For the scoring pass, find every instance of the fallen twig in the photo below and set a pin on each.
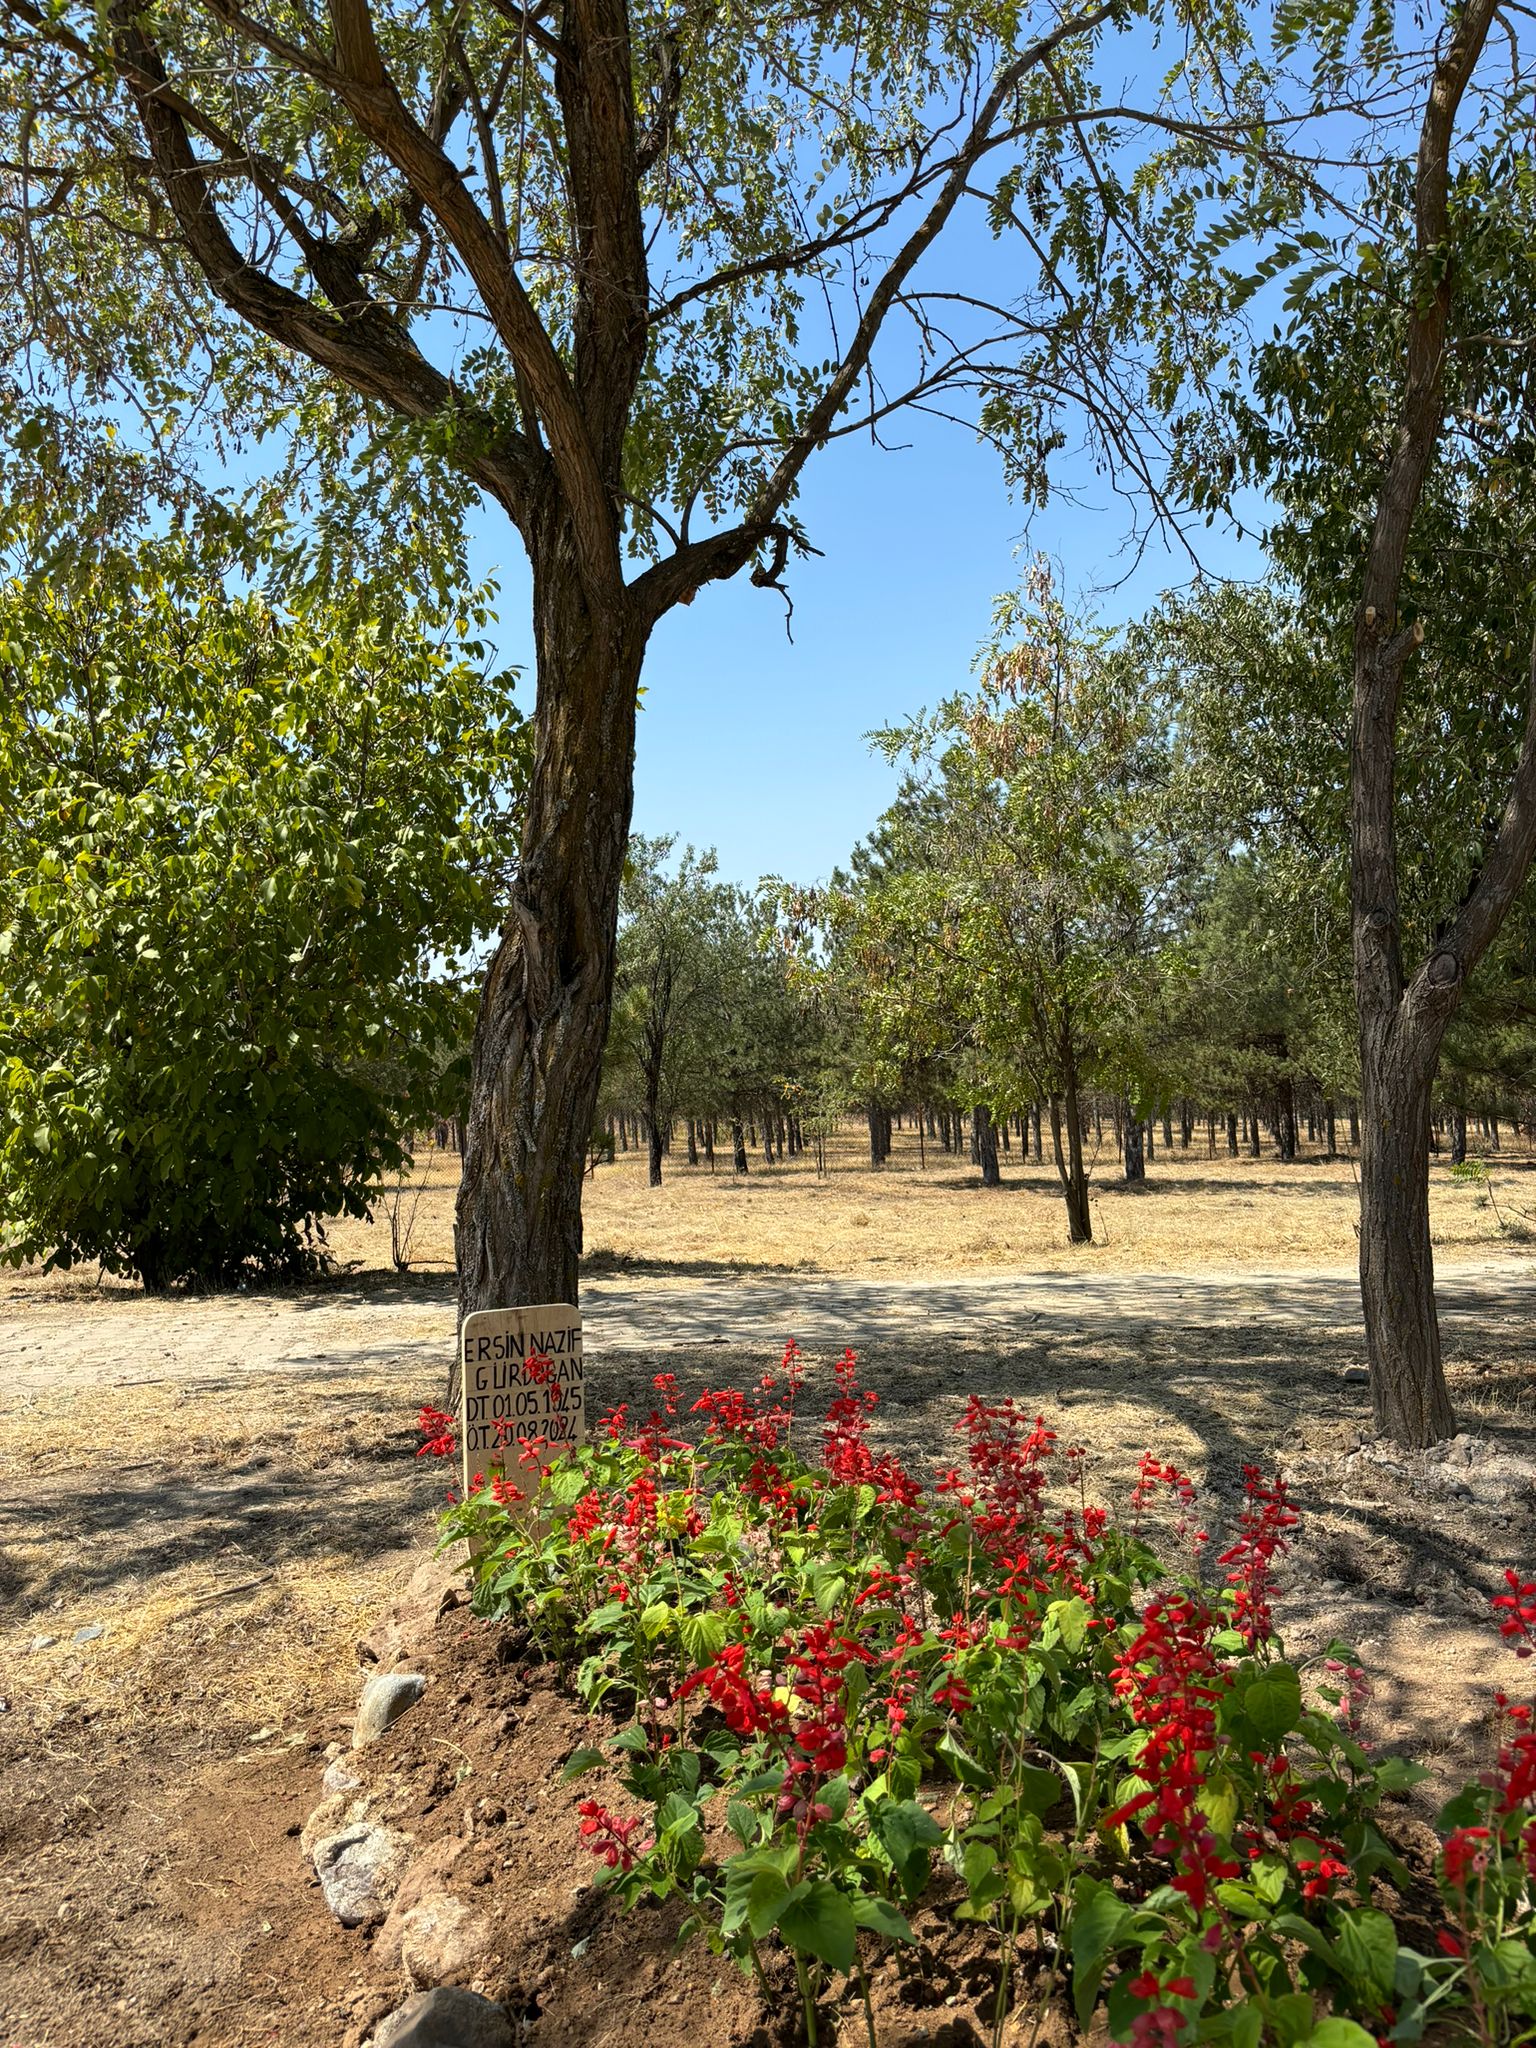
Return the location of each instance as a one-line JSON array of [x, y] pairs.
[[228, 1592]]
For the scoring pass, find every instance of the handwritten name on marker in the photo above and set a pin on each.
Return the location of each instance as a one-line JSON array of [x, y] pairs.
[[522, 1379]]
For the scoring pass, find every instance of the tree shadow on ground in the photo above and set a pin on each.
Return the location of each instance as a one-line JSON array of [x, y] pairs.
[[603, 1264], [319, 1474], [316, 1479]]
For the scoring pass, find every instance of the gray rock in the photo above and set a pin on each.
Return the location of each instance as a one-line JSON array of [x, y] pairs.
[[430, 1876], [385, 1698], [443, 1941], [436, 1586], [445, 2018], [90, 1633], [41, 1643], [337, 1778], [1356, 1376], [360, 1868]]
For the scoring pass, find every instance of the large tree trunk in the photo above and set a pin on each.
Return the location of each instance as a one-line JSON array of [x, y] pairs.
[[1397, 1271], [1403, 1021], [655, 1148], [544, 1009]]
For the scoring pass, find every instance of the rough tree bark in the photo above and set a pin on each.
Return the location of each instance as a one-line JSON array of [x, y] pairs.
[[1402, 1020], [544, 1010], [986, 1146]]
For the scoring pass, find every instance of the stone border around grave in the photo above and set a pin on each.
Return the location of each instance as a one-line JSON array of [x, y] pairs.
[[369, 1876]]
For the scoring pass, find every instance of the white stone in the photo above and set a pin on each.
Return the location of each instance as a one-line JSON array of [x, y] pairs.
[[442, 1941]]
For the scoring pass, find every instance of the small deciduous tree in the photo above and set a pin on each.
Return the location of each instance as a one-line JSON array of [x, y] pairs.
[[672, 941], [1398, 443], [1026, 872], [238, 843]]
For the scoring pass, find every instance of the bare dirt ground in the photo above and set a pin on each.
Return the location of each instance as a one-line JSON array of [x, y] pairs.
[[204, 1503]]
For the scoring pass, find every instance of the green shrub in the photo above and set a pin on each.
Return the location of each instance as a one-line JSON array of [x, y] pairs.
[[239, 848]]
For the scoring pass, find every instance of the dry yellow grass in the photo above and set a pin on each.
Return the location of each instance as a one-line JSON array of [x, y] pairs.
[[229, 1551], [907, 1219]]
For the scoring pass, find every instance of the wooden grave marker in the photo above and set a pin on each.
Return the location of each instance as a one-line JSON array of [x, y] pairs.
[[504, 1400]]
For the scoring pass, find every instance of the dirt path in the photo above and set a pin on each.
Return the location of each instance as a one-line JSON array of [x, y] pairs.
[[122, 1340]]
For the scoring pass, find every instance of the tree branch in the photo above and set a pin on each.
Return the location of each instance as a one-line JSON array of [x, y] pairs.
[[361, 344], [1438, 985]]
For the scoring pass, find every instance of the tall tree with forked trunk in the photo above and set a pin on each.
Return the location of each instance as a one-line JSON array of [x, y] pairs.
[[1399, 444], [620, 267]]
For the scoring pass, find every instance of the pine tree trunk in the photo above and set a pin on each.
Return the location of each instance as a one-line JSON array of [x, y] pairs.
[[1039, 1147], [873, 1117], [738, 1146], [1232, 1133], [1458, 1137], [693, 1142], [1285, 1121], [1330, 1128], [654, 1150]]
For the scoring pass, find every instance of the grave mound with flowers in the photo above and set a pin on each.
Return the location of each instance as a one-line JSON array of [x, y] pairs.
[[840, 1698]]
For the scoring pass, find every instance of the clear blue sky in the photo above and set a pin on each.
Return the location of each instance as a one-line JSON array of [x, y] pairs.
[[756, 746]]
